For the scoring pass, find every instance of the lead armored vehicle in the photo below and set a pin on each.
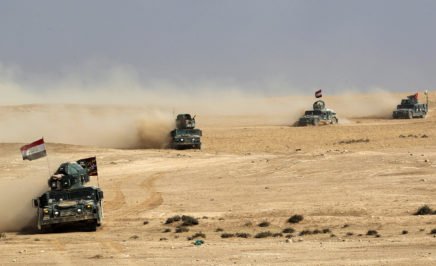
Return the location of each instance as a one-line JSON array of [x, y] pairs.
[[411, 108], [69, 201], [318, 116], [185, 135]]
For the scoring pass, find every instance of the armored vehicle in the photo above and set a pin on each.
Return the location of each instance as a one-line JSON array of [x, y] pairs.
[[319, 115], [411, 108], [69, 202], [185, 135]]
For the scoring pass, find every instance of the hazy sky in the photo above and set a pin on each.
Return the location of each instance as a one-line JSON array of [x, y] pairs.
[[270, 44]]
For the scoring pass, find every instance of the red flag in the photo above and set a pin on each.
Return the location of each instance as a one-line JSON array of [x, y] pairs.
[[34, 150], [414, 96], [318, 94]]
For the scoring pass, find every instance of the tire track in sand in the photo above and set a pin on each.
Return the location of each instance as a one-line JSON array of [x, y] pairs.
[[153, 200], [119, 199]]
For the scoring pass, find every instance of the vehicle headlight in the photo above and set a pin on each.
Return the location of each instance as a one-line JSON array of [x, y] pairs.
[[45, 211], [56, 213], [79, 210], [88, 206], [181, 140]]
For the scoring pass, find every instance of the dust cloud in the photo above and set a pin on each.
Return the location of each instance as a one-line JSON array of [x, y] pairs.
[[17, 213], [117, 110], [105, 126], [377, 104], [152, 134]]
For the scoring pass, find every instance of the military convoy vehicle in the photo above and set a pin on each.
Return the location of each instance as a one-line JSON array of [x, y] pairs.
[[411, 108], [69, 202], [185, 135], [318, 116]]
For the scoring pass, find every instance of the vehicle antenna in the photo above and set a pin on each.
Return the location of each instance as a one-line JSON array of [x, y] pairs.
[[98, 180]]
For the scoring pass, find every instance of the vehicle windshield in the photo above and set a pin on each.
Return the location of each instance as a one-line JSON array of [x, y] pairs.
[[314, 112], [83, 193], [188, 132], [406, 106]]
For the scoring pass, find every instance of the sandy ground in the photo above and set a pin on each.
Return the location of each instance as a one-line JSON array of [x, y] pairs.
[[248, 173]]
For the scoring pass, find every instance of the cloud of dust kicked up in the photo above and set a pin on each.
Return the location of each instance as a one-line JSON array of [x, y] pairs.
[[116, 110], [16, 208]]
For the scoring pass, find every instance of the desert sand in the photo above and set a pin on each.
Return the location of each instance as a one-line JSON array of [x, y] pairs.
[[250, 170]]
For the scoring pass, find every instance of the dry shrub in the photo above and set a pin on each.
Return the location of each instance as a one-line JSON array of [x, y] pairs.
[[227, 235], [425, 210], [351, 141], [243, 235], [288, 230], [305, 232], [371, 233], [189, 221], [197, 235], [316, 231], [170, 220], [263, 234], [182, 229], [295, 219], [277, 235], [264, 224]]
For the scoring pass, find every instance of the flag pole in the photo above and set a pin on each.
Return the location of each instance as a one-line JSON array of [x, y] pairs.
[[426, 96], [48, 163], [98, 181]]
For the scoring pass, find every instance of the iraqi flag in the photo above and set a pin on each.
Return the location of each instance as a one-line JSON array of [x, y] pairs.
[[318, 94], [34, 150]]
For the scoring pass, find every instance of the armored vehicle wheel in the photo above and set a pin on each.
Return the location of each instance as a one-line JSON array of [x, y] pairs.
[[423, 115], [100, 215], [92, 226], [334, 120], [198, 146], [315, 122], [45, 229], [410, 115]]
